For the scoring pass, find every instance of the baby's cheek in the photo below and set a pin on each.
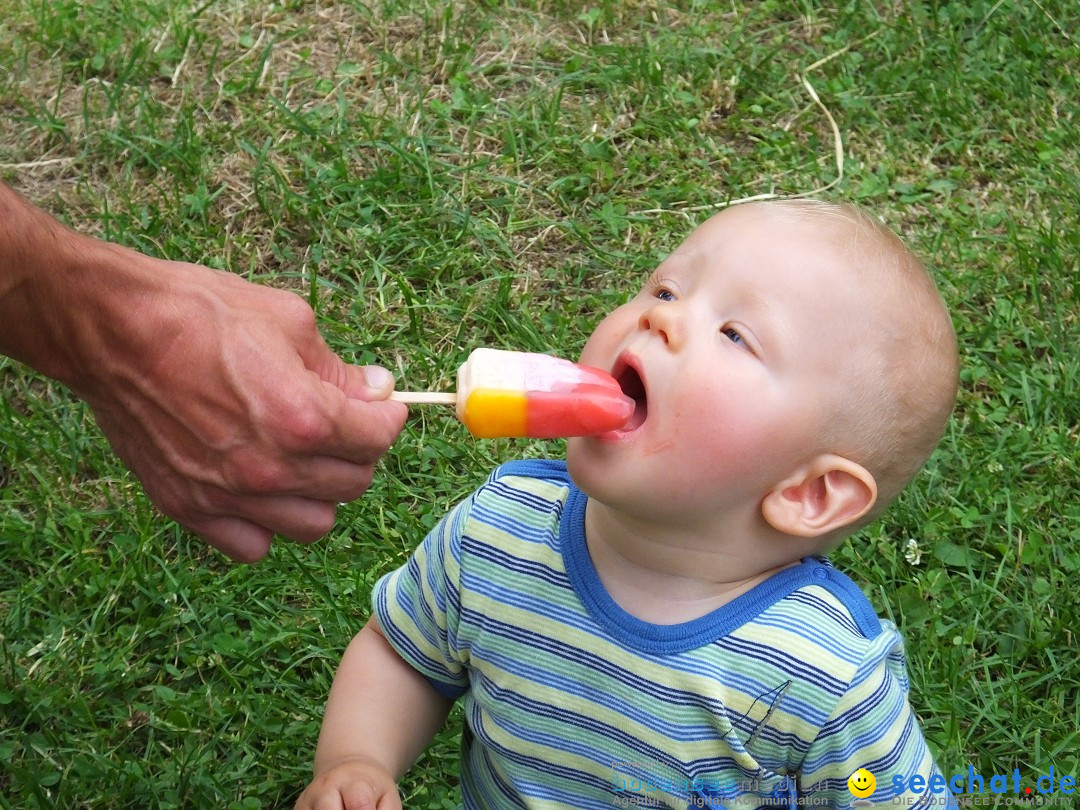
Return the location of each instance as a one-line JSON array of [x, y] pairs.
[[601, 349], [729, 439]]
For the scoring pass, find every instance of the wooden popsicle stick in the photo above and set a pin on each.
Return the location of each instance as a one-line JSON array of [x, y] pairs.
[[424, 397]]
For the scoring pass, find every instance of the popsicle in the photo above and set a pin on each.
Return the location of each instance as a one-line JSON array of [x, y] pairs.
[[522, 394]]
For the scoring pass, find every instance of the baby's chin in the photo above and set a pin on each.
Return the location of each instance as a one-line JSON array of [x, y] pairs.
[[575, 462]]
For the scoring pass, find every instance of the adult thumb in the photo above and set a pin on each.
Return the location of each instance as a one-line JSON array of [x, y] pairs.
[[378, 383]]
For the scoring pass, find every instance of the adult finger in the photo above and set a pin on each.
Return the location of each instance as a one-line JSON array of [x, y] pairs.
[[304, 520], [247, 532], [321, 477], [242, 540], [329, 479], [364, 431], [367, 382]]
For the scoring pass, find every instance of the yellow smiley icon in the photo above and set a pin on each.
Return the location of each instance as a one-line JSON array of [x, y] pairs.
[[861, 783]]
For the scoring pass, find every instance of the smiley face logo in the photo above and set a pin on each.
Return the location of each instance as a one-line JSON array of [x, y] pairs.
[[861, 783]]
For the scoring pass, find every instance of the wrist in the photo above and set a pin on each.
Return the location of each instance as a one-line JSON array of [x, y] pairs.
[[61, 292], [31, 250], [352, 761]]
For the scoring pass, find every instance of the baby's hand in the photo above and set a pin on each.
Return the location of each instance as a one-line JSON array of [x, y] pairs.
[[358, 783]]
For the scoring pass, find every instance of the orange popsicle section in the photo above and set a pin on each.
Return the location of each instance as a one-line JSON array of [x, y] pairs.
[[491, 413]]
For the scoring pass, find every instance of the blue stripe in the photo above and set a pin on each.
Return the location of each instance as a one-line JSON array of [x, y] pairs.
[[516, 565], [820, 605], [788, 663]]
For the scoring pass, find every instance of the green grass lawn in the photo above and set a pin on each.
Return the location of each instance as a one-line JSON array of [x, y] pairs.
[[439, 176]]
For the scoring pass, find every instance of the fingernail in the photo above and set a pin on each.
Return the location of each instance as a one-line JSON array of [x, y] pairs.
[[378, 379]]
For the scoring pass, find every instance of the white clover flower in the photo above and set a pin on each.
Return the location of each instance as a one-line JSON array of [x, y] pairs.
[[912, 552]]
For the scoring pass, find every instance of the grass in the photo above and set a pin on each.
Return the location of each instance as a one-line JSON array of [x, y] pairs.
[[436, 176]]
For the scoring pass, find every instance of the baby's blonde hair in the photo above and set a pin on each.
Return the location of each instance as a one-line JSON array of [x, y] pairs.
[[901, 388]]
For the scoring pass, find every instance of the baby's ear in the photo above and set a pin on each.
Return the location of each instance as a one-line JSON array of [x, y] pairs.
[[828, 494]]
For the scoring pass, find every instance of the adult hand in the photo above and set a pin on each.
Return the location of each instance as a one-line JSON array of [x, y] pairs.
[[219, 394], [235, 415]]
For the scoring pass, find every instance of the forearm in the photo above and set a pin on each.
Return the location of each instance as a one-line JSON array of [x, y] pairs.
[[379, 708]]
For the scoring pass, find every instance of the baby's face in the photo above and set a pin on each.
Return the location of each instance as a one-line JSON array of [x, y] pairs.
[[734, 351]]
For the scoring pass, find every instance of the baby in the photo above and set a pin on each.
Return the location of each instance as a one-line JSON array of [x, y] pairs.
[[652, 622]]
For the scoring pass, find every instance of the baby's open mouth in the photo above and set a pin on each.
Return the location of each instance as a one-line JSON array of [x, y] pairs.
[[630, 382]]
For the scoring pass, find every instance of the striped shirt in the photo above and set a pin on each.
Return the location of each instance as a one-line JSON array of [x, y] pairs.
[[772, 700]]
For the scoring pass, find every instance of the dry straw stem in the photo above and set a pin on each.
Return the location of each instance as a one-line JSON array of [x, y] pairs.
[[36, 164], [838, 147]]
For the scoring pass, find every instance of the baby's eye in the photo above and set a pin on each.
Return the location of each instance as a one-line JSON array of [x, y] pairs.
[[733, 335], [664, 295]]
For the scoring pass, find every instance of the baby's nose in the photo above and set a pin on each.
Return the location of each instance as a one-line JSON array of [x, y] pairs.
[[664, 320]]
